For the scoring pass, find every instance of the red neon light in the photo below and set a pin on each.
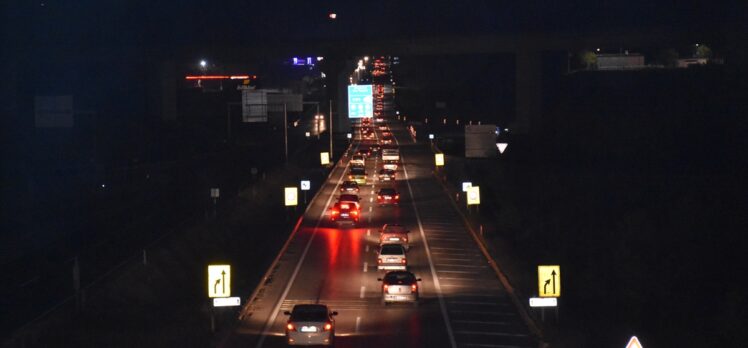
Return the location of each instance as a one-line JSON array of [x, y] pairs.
[[217, 77]]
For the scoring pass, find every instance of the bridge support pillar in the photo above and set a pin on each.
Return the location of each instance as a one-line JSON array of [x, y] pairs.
[[528, 90]]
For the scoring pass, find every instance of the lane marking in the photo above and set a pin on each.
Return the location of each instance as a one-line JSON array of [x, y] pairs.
[[437, 285], [460, 266], [482, 322], [363, 291], [274, 314], [490, 333], [371, 199], [358, 323], [370, 208], [466, 272], [366, 265]]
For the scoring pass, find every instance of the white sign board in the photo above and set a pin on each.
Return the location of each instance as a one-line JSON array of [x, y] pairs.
[[305, 185], [466, 185], [292, 196], [480, 141], [543, 302], [215, 193], [226, 302]]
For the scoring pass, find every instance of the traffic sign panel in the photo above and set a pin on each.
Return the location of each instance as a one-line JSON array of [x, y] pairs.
[[543, 302], [439, 158], [501, 147], [634, 343], [473, 195], [466, 185], [306, 185], [324, 158], [292, 196], [549, 281], [219, 281], [226, 301]]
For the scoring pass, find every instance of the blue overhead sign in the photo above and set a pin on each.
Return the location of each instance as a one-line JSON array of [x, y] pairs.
[[360, 101]]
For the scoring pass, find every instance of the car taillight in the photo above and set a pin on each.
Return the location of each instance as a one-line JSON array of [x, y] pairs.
[[328, 326], [334, 212], [290, 327], [354, 212], [385, 287], [379, 196], [405, 239], [350, 177], [413, 287], [403, 261], [397, 196], [379, 260]]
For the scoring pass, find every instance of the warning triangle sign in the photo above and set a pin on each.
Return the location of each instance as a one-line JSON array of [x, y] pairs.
[[501, 147], [634, 343]]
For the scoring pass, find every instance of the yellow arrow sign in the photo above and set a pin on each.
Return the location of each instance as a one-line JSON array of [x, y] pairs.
[[219, 281], [549, 281], [324, 158], [292, 196], [634, 343]]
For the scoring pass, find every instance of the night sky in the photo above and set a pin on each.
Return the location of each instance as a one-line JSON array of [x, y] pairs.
[[83, 23]]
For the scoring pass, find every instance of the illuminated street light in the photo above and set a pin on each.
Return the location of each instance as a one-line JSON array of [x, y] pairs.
[[332, 15], [203, 63], [366, 59]]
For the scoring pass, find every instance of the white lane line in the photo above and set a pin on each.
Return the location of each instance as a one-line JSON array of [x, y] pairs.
[[480, 303], [445, 248], [370, 208], [491, 345], [465, 272], [437, 285], [462, 266], [274, 315], [363, 291], [366, 266], [372, 191], [371, 199], [490, 333], [480, 322], [358, 323], [455, 259]]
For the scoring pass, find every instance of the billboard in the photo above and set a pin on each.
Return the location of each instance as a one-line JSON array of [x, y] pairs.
[[480, 141], [360, 101]]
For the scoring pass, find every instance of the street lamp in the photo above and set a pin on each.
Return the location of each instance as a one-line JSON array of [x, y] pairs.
[[203, 64]]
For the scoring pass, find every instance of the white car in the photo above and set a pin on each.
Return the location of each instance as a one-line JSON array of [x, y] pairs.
[[399, 286], [389, 164], [357, 160], [392, 257], [310, 324]]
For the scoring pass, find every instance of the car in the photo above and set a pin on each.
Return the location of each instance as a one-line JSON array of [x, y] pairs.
[[374, 149], [364, 151], [386, 175], [357, 160], [349, 186], [310, 324], [345, 211], [386, 140], [388, 195], [394, 234], [350, 198], [384, 127], [386, 134], [392, 257], [390, 164], [399, 286], [357, 174]]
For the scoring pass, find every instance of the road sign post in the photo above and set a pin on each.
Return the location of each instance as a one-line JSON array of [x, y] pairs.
[[549, 281], [324, 158], [219, 281], [306, 185]]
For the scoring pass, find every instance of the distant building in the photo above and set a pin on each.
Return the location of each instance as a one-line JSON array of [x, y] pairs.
[[620, 61], [686, 62]]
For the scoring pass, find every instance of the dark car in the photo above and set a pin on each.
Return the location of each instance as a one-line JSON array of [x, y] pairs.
[[387, 196], [349, 186]]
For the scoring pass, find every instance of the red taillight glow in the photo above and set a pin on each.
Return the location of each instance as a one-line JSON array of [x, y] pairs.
[[379, 260], [354, 212], [379, 196], [328, 327], [334, 212], [385, 287], [403, 261], [413, 288], [290, 327], [397, 196]]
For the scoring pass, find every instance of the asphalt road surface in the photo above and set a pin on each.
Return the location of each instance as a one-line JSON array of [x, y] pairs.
[[462, 301]]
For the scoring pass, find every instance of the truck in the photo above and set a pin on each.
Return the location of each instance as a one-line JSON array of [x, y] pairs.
[[390, 158]]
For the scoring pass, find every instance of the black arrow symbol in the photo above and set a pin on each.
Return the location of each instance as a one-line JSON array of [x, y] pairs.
[[215, 286], [223, 282], [553, 274], [545, 287]]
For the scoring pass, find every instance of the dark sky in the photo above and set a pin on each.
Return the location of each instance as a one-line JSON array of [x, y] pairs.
[[118, 22]]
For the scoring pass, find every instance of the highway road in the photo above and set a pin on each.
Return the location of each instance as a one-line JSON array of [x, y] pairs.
[[462, 301]]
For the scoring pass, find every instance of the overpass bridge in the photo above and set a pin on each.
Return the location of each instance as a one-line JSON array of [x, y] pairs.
[[528, 48]]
